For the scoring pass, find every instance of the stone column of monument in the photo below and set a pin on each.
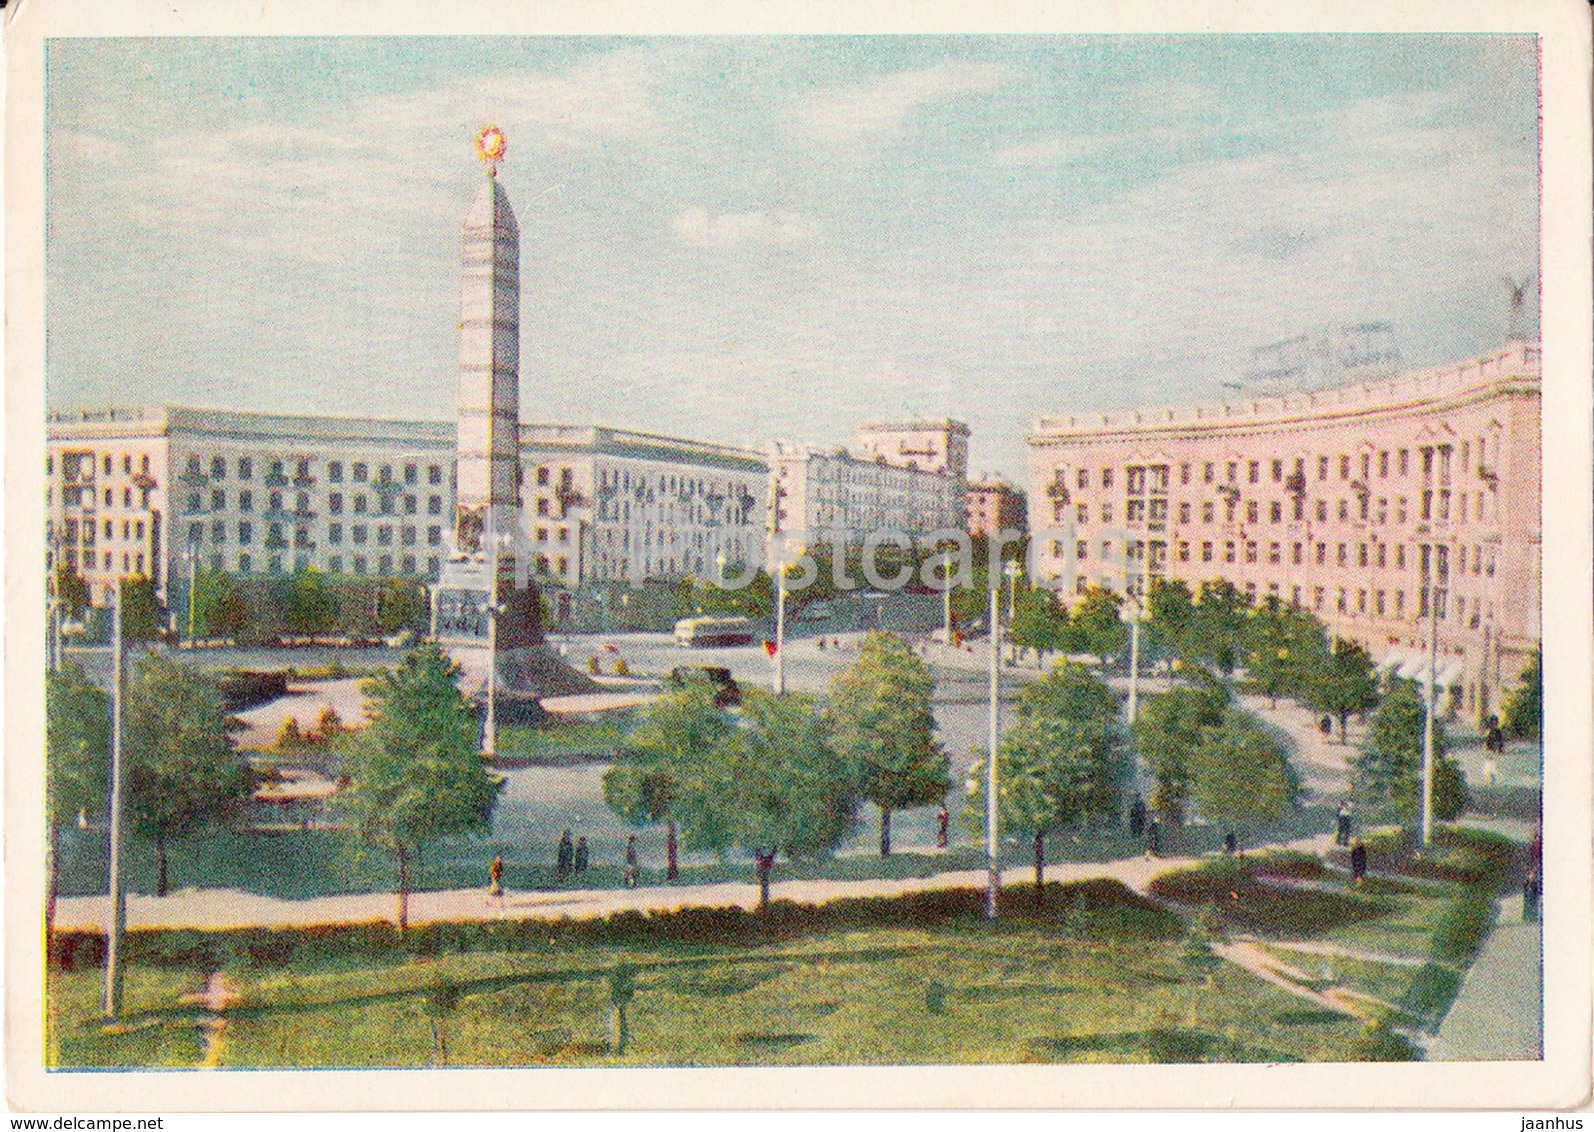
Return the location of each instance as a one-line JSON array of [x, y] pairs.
[[487, 455]]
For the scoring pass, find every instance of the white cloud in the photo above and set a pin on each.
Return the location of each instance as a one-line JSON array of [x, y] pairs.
[[879, 105], [83, 147], [696, 226], [1054, 149]]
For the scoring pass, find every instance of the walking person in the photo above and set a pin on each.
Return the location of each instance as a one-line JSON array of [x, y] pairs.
[[1342, 824], [1530, 896], [566, 857], [1154, 837], [1358, 861], [495, 880], [631, 870], [1137, 817], [942, 821], [581, 855]]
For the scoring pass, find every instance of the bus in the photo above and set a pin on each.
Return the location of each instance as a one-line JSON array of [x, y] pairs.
[[704, 632]]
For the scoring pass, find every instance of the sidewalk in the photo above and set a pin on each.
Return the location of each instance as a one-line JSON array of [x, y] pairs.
[[229, 908], [1498, 1013]]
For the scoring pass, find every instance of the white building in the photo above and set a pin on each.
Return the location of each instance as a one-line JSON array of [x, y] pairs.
[[132, 491]]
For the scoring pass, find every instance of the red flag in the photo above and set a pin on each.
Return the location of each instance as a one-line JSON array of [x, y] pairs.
[[769, 648]]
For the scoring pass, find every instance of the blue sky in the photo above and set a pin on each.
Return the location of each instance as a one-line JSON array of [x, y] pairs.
[[743, 238]]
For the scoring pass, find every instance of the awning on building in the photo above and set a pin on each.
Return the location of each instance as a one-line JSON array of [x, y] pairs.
[[1412, 664]]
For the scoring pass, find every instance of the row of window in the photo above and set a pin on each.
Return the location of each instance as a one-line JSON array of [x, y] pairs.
[[1432, 459], [80, 465], [1433, 505], [385, 504], [358, 534], [1367, 555], [359, 470]]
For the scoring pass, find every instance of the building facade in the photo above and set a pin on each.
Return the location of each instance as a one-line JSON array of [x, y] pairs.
[[909, 478], [139, 491], [996, 505], [1348, 502]]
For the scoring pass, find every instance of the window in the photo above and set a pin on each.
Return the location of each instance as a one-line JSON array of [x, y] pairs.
[[385, 474], [434, 536], [407, 536], [384, 535], [434, 505], [1322, 467], [542, 507], [218, 532], [1252, 471], [1250, 551], [384, 504], [335, 564], [1207, 513], [1382, 547], [335, 471], [1383, 465], [1251, 511], [1362, 555], [1322, 511], [1344, 510], [359, 564], [1273, 553], [335, 534], [1082, 479], [1400, 602], [1234, 471], [409, 564], [1184, 552], [1206, 552], [1367, 463], [1082, 513], [1296, 555], [1317, 597], [409, 505], [1106, 512], [1344, 466], [1400, 509], [361, 474], [1322, 553], [1278, 471], [1228, 552], [1341, 603], [276, 501], [357, 532], [246, 532], [246, 471], [1106, 548], [244, 564], [359, 504], [1344, 555], [1206, 473], [335, 503], [1106, 477], [1184, 473], [1378, 603], [1403, 462], [1400, 557], [218, 467], [410, 473], [434, 474], [542, 476], [302, 503], [218, 501], [1184, 512]]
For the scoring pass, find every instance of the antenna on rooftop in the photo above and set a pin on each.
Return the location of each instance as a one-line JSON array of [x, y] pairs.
[[1518, 292]]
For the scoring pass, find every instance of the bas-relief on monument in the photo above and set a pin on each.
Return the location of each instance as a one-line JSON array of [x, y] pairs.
[[486, 570]]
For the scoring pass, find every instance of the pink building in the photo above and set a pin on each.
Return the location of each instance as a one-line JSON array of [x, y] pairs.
[[1344, 501], [995, 505]]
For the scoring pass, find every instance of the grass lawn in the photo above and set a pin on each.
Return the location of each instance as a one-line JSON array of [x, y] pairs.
[[1095, 976]]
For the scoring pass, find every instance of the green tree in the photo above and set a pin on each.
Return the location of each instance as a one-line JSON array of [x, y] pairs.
[[77, 746], [882, 724], [141, 613], [678, 732], [772, 785], [414, 773], [1523, 710], [1344, 682], [1167, 731], [1285, 645], [219, 608], [312, 610], [401, 604], [1215, 633], [72, 590], [1170, 607], [182, 771], [1054, 771], [1040, 623], [1095, 626], [1388, 771], [1069, 691], [1239, 774]]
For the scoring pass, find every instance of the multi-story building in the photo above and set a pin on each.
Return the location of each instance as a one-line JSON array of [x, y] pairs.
[[995, 505], [138, 492], [907, 477], [1348, 502]]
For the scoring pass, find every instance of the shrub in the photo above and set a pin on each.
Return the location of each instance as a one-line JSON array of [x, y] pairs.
[[328, 723], [289, 735], [621, 668]]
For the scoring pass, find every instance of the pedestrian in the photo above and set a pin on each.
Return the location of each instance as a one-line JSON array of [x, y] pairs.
[[1154, 837], [1358, 861], [1342, 824], [1530, 897], [1137, 817], [581, 855], [1230, 844], [1326, 726], [495, 879], [942, 821], [566, 857], [631, 870]]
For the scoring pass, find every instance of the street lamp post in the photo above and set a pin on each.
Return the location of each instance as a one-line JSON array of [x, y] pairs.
[[111, 999], [1134, 645], [780, 629], [191, 556], [993, 877], [1012, 571], [1436, 597]]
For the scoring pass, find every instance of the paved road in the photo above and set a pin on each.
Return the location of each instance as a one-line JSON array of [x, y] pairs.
[[225, 908], [1498, 1014]]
